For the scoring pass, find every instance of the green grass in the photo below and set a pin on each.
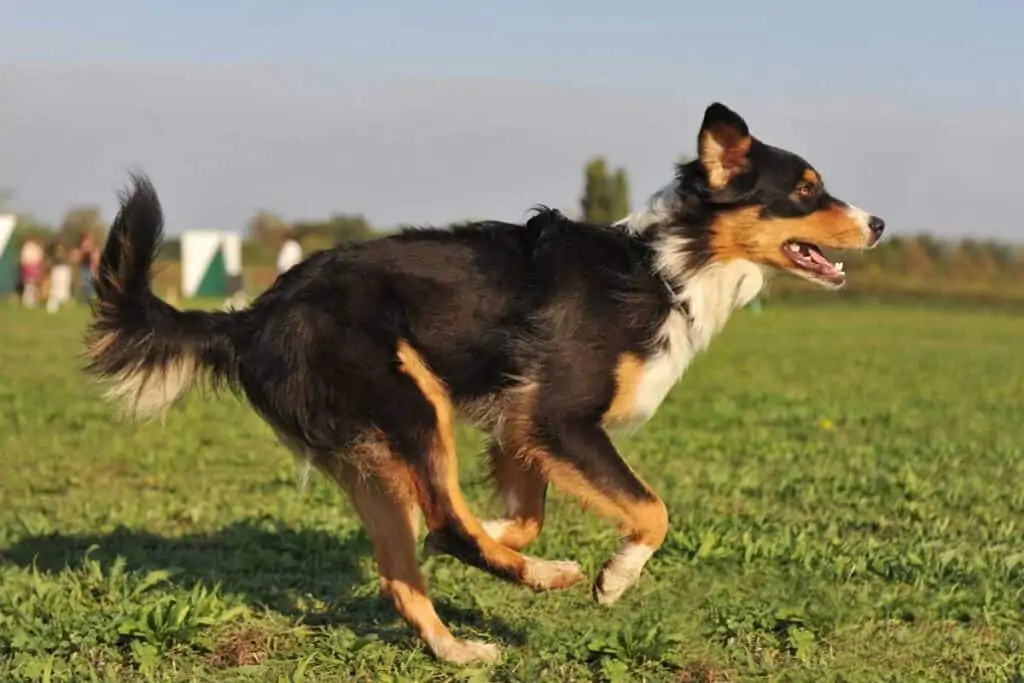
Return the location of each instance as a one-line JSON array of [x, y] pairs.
[[845, 483]]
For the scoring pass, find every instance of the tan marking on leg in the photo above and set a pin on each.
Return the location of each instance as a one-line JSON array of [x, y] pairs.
[[650, 526], [536, 573], [390, 518], [522, 489], [644, 523], [628, 374]]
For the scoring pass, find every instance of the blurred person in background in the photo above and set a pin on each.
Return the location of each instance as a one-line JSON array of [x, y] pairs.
[[31, 258], [290, 255], [88, 257], [60, 280]]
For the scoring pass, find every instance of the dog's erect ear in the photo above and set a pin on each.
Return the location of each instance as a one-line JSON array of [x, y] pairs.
[[722, 145]]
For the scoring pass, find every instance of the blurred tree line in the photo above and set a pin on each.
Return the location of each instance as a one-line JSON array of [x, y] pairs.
[[76, 223], [605, 192], [267, 231], [920, 264]]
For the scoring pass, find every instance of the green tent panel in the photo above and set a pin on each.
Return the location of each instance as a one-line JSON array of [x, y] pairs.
[[8, 267], [8, 255], [215, 279]]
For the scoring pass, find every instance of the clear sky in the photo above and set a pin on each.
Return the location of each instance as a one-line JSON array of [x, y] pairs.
[[436, 111]]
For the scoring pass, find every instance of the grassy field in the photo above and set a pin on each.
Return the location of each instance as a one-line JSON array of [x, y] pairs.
[[845, 482]]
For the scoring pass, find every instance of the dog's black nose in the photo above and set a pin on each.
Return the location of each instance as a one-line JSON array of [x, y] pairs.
[[877, 226]]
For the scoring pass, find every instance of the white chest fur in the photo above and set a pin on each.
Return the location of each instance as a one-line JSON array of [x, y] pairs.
[[662, 370], [709, 296]]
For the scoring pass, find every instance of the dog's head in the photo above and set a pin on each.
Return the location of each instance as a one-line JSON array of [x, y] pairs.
[[743, 199]]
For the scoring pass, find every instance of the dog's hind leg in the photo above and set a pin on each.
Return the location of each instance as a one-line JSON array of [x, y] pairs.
[[522, 489], [453, 527], [387, 506]]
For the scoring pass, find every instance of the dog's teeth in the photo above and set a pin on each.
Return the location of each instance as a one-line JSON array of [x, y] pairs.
[[839, 266]]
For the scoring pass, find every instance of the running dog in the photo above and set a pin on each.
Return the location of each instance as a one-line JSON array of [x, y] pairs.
[[545, 334]]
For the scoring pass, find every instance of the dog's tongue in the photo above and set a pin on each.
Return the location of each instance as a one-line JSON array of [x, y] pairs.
[[819, 259]]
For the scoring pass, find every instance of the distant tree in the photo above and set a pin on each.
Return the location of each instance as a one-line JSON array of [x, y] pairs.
[[916, 256], [937, 250], [596, 202], [81, 220], [620, 195], [888, 256], [971, 260], [336, 229], [350, 227], [27, 227], [170, 249], [268, 230], [1001, 254], [605, 195]]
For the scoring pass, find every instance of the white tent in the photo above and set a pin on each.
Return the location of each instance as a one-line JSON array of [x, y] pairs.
[[210, 261]]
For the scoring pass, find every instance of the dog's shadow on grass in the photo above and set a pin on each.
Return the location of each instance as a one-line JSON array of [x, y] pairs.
[[270, 566]]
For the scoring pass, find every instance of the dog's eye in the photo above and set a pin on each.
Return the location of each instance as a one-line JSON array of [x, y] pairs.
[[805, 189]]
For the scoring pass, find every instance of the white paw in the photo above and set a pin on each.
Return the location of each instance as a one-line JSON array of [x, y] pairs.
[[466, 651], [544, 575], [610, 585], [621, 572]]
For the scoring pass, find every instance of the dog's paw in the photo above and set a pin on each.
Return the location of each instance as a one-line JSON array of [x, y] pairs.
[[465, 652], [610, 585], [545, 575], [621, 572]]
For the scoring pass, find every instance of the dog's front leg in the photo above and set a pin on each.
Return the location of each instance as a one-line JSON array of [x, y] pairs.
[[580, 459]]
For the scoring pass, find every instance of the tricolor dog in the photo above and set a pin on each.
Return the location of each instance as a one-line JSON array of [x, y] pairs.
[[545, 334]]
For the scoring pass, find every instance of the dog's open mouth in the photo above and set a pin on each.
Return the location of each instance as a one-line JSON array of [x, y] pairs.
[[812, 263]]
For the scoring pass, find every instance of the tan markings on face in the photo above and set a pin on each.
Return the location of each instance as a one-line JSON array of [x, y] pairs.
[[744, 234], [809, 185]]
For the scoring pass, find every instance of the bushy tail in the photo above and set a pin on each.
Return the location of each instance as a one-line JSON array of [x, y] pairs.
[[149, 352]]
